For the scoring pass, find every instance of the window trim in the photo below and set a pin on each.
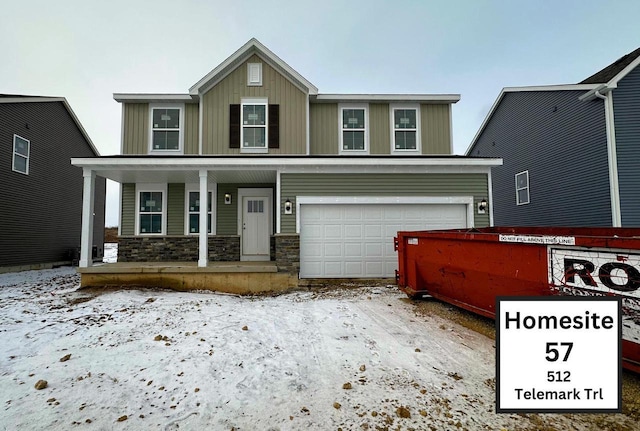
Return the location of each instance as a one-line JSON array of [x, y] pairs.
[[257, 83], [141, 188], [341, 129], [179, 106], [255, 101], [392, 108], [518, 203], [192, 188], [15, 153]]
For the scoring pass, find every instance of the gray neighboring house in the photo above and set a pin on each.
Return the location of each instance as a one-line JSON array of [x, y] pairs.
[[571, 152], [41, 193]]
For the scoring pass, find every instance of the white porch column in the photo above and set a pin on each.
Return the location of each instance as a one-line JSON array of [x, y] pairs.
[[203, 245], [86, 239]]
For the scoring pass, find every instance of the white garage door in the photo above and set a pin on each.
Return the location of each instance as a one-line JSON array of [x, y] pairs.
[[356, 240]]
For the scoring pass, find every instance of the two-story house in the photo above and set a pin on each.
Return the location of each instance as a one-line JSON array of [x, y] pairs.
[[41, 193], [253, 164], [571, 152]]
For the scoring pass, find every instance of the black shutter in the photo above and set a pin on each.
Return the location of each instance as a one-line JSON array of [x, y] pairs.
[[274, 126], [234, 126]]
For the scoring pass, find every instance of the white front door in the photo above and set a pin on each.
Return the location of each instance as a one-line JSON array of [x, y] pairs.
[[256, 231]]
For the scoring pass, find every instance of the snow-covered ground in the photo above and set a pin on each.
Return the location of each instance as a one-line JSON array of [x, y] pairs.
[[110, 252], [358, 358]]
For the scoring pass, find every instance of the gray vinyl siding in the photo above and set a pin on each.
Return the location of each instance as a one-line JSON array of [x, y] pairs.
[[295, 185], [128, 209], [626, 107], [41, 213], [227, 215], [175, 209], [561, 141]]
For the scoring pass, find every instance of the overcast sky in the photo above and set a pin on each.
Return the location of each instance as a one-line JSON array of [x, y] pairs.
[[87, 50]]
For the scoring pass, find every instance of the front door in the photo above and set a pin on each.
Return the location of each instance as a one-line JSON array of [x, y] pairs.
[[256, 231]]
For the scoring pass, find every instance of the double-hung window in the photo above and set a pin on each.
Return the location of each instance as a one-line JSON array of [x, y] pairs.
[[21, 149], [253, 130], [166, 129], [193, 210], [354, 135], [405, 129], [522, 188], [151, 212]]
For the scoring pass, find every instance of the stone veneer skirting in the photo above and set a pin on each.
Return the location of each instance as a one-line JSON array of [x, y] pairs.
[[285, 249]]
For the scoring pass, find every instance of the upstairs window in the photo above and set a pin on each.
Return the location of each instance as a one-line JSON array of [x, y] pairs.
[[353, 130], [21, 150], [522, 188], [151, 212], [405, 133], [194, 212], [166, 130], [254, 125]]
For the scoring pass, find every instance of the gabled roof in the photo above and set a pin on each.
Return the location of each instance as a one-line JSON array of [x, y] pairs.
[[253, 46], [18, 98], [616, 68], [568, 87]]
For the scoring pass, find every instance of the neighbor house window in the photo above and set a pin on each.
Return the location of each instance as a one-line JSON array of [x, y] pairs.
[[21, 149], [166, 131], [353, 129], [151, 212], [254, 124], [193, 210], [405, 129], [522, 188]]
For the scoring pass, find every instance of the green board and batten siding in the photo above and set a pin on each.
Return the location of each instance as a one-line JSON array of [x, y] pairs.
[[422, 185], [136, 126], [277, 88], [324, 128]]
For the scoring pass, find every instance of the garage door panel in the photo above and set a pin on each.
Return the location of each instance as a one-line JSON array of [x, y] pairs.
[[356, 240]]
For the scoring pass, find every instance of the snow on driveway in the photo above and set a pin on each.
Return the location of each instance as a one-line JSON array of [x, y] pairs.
[[154, 359]]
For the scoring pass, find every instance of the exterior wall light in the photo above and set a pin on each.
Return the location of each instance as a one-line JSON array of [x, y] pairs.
[[227, 198], [482, 206], [288, 207]]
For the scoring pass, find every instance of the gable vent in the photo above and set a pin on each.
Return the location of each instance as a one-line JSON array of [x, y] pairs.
[[254, 74]]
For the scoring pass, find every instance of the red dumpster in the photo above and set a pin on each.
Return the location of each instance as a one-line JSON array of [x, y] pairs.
[[470, 268]]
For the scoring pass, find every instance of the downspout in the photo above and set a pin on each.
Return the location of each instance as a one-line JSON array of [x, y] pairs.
[[614, 189]]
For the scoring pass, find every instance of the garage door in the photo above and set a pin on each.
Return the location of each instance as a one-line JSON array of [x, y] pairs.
[[356, 240]]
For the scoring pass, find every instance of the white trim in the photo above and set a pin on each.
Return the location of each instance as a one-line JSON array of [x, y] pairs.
[[341, 129], [200, 126], [569, 87], [251, 67], [400, 98], [613, 83], [385, 200], [203, 237], [450, 129], [194, 188], [258, 192], [392, 128], [14, 153], [122, 117], [518, 203], [154, 98], [143, 187], [119, 209], [308, 127], [181, 128], [253, 46], [253, 101]]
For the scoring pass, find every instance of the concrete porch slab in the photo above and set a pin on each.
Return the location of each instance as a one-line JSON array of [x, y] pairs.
[[230, 277]]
